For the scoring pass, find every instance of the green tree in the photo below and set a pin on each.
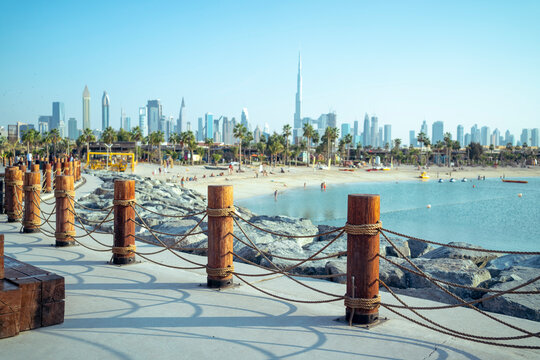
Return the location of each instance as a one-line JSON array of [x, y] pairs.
[[54, 136], [239, 132], [209, 142], [137, 136], [308, 134], [348, 141], [331, 134], [88, 137], [155, 139], [286, 134], [188, 139]]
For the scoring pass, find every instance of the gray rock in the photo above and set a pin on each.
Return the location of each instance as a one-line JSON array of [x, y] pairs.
[[400, 244], [525, 306], [291, 249], [337, 267], [506, 262], [419, 248], [478, 257], [463, 272], [392, 275]]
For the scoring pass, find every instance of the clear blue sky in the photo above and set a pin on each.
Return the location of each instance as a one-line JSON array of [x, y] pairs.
[[462, 62]]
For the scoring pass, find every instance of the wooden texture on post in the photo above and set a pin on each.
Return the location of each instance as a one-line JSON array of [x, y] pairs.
[[1, 256], [65, 230], [220, 239], [14, 199], [47, 173], [124, 222], [22, 168], [32, 201], [65, 168], [362, 256], [72, 170], [34, 168]]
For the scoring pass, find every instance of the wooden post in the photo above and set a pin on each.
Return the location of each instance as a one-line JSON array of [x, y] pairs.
[[48, 177], [65, 218], [124, 222], [32, 201], [220, 239], [35, 168], [22, 168], [72, 170], [362, 259], [78, 169], [65, 168], [14, 184], [1, 256]]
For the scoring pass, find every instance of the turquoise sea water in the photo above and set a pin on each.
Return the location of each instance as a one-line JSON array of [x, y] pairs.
[[491, 214]]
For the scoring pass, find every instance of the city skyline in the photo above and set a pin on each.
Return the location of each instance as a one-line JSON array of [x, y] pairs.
[[482, 71]]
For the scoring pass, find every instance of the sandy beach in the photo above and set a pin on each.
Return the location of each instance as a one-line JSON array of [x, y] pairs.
[[251, 183]]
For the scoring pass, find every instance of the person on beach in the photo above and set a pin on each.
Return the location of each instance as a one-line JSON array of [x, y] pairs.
[[29, 159], [304, 186], [275, 195]]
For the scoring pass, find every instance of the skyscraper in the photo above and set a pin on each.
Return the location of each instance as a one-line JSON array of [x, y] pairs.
[[142, 121], [153, 114], [200, 129], [298, 107], [105, 103], [535, 137], [73, 131], [475, 134], [58, 115], [424, 128], [355, 128], [374, 132], [244, 118], [43, 124], [331, 120], [526, 137], [209, 125], [437, 130], [86, 108], [387, 135], [485, 136], [345, 129], [122, 119], [412, 139], [460, 136], [367, 134], [179, 123], [495, 137]]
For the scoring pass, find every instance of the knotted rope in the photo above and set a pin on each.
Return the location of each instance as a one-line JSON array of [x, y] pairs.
[[124, 250], [228, 211], [364, 229], [364, 304], [220, 272], [65, 234], [14, 183], [31, 223], [123, 202], [63, 193], [36, 187]]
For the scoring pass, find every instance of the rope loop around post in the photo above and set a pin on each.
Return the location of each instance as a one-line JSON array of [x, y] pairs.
[[220, 272], [363, 304], [123, 202], [124, 250], [63, 193], [364, 229], [64, 234], [14, 183], [228, 211], [36, 187]]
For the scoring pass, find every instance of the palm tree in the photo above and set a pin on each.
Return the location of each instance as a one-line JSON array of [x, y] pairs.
[[136, 135], [239, 132], [88, 137], [331, 134], [286, 134], [28, 137], [448, 145], [247, 143], [155, 139], [275, 148], [308, 134], [54, 135], [108, 136], [348, 141], [188, 139], [209, 142]]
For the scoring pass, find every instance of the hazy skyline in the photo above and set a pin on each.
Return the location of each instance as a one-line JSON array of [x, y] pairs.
[[457, 62]]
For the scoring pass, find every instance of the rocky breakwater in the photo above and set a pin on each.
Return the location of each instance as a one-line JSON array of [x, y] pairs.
[[159, 201]]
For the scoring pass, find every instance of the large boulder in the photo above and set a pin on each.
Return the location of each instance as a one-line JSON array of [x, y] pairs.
[[290, 249], [479, 258], [462, 272], [418, 248], [525, 306], [506, 262], [337, 267], [388, 250]]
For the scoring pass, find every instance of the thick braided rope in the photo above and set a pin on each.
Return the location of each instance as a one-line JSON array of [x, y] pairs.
[[31, 223], [36, 187], [63, 193], [364, 229], [65, 234], [14, 183], [228, 211], [123, 202], [220, 272], [124, 250], [364, 304]]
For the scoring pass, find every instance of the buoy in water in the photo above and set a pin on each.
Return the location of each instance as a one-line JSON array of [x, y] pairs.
[[520, 195], [429, 206], [474, 186]]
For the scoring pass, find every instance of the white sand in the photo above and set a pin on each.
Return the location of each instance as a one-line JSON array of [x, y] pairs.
[[247, 185]]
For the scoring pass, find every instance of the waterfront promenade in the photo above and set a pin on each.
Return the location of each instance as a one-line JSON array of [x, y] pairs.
[[146, 311]]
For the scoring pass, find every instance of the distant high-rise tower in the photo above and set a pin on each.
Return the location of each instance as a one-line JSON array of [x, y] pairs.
[[153, 113], [245, 118], [424, 128], [179, 123], [142, 121], [105, 103], [374, 132], [460, 138], [387, 135], [58, 115], [86, 108], [298, 107], [73, 131], [437, 130], [367, 134]]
